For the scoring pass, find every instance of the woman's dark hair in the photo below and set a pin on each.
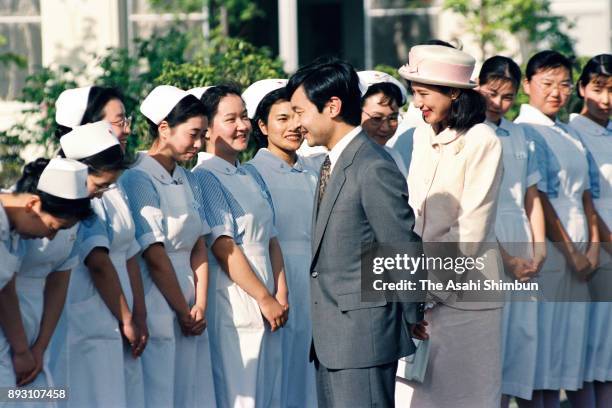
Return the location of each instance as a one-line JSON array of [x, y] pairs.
[[328, 77], [187, 108], [111, 159], [467, 110], [61, 130], [599, 65], [98, 97], [56, 206], [96, 102], [391, 93], [500, 68], [263, 111], [212, 97], [545, 60]]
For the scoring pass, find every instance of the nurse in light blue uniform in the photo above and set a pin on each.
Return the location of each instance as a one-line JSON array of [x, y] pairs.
[[382, 97], [97, 315], [247, 292], [115, 227], [595, 129], [519, 227], [171, 234], [50, 196], [565, 185], [291, 180]]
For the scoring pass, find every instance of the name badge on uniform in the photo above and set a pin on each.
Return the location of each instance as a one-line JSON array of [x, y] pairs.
[[522, 155]]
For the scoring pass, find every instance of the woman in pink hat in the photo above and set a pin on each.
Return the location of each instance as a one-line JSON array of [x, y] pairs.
[[454, 181]]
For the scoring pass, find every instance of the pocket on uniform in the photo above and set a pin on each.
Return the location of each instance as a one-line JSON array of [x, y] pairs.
[[91, 319], [352, 301]]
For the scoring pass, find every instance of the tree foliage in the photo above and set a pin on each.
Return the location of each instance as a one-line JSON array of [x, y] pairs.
[[7, 57], [176, 57], [532, 21], [226, 16]]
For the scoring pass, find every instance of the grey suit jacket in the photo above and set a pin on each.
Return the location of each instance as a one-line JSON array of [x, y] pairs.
[[365, 201]]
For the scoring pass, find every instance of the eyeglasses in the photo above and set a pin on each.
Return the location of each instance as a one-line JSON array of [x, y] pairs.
[[377, 121], [547, 86], [124, 122]]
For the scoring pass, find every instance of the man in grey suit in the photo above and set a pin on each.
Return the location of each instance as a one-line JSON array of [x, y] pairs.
[[361, 199]]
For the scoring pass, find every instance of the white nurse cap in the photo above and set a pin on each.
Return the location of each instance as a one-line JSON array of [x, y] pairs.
[[64, 178], [160, 102], [87, 140], [253, 95], [369, 78], [71, 105], [198, 92]]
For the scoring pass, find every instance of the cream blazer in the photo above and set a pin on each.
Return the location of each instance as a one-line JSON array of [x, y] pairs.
[[453, 185]]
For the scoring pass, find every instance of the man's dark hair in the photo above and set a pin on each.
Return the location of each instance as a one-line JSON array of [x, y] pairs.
[[328, 77]]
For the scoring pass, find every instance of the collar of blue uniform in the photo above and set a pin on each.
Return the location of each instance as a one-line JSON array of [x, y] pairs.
[[589, 126], [215, 163], [503, 129], [268, 158], [157, 171]]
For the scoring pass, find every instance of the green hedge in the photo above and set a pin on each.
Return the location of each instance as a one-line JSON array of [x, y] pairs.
[[177, 57]]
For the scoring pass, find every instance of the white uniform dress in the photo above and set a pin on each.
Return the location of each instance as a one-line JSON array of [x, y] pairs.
[[11, 253], [113, 211], [513, 231], [42, 257], [293, 190], [164, 211], [246, 356], [598, 141], [564, 169]]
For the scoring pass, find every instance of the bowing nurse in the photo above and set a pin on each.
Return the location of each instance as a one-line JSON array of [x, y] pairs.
[[48, 198], [96, 316], [171, 233], [117, 248]]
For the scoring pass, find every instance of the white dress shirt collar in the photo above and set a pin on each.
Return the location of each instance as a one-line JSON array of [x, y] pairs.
[[336, 151], [533, 115]]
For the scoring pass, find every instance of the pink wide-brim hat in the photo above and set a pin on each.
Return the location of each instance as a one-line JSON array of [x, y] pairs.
[[439, 65]]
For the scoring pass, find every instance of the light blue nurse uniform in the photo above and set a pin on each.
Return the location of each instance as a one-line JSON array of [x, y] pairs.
[[598, 141], [563, 326], [293, 191]]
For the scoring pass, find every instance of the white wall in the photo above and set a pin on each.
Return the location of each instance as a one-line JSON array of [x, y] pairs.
[[593, 24], [74, 29]]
